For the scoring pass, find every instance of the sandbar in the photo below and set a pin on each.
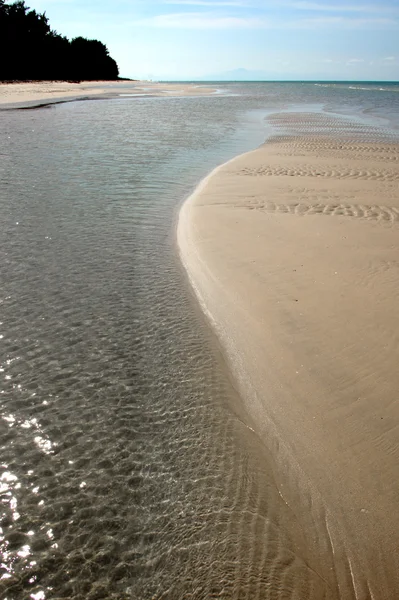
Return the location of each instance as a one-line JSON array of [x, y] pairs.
[[292, 251], [40, 92]]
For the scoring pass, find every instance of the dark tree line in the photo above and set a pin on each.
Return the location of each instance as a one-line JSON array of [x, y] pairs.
[[31, 50]]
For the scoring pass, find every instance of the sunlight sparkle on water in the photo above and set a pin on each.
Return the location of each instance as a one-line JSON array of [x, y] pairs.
[[38, 596], [24, 552]]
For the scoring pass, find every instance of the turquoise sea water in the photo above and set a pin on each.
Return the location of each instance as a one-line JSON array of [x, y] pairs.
[[126, 469]]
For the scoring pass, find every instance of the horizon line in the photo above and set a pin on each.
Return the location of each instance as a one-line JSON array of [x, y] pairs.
[[197, 80]]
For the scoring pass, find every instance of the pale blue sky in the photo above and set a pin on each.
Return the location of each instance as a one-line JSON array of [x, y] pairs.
[[287, 39]]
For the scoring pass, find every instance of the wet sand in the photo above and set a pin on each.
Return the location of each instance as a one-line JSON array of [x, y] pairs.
[[31, 92], [292, 252]]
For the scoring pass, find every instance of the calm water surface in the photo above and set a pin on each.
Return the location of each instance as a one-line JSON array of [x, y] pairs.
[[126, 468]]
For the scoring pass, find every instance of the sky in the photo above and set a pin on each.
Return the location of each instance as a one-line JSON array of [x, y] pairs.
[[270, 39]]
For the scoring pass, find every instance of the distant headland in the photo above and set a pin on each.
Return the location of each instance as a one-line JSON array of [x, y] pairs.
[[31, 50]]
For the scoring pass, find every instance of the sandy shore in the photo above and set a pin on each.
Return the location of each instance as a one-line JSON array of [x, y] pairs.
[[51, 91], [293, 252]]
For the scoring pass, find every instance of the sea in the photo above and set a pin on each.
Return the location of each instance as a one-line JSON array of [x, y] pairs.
[[126, 468]]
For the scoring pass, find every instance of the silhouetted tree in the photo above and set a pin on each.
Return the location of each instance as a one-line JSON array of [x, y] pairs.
[[91, 60], [30, 49]]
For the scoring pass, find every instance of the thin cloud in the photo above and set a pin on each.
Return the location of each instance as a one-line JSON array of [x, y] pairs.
[[389, 58], [340, 8], [354, 62], [201, 21], [209, 3], [345, 22], [218, 20]]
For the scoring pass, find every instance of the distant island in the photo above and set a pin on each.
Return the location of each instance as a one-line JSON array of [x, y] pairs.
[[31, 50]]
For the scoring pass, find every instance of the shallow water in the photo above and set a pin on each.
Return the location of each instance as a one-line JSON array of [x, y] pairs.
[[126, 468]]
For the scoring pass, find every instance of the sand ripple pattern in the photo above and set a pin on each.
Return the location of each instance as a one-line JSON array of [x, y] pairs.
[[320, 125], [384, 214], [306, 171], [333, 148]]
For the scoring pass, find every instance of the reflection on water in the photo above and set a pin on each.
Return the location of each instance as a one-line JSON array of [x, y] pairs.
[[126, 468]]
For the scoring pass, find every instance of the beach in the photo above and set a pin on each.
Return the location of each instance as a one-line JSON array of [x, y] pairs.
[[53, 91], [292, 252]]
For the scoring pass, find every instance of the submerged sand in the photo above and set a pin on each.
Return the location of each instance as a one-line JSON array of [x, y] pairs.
[[293, 253], [42, 91]]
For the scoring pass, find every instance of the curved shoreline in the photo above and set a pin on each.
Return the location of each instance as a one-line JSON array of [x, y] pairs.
[[284, 288], [210, 300]]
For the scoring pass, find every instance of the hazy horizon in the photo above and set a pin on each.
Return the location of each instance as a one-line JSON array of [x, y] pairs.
[[214, 79]]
